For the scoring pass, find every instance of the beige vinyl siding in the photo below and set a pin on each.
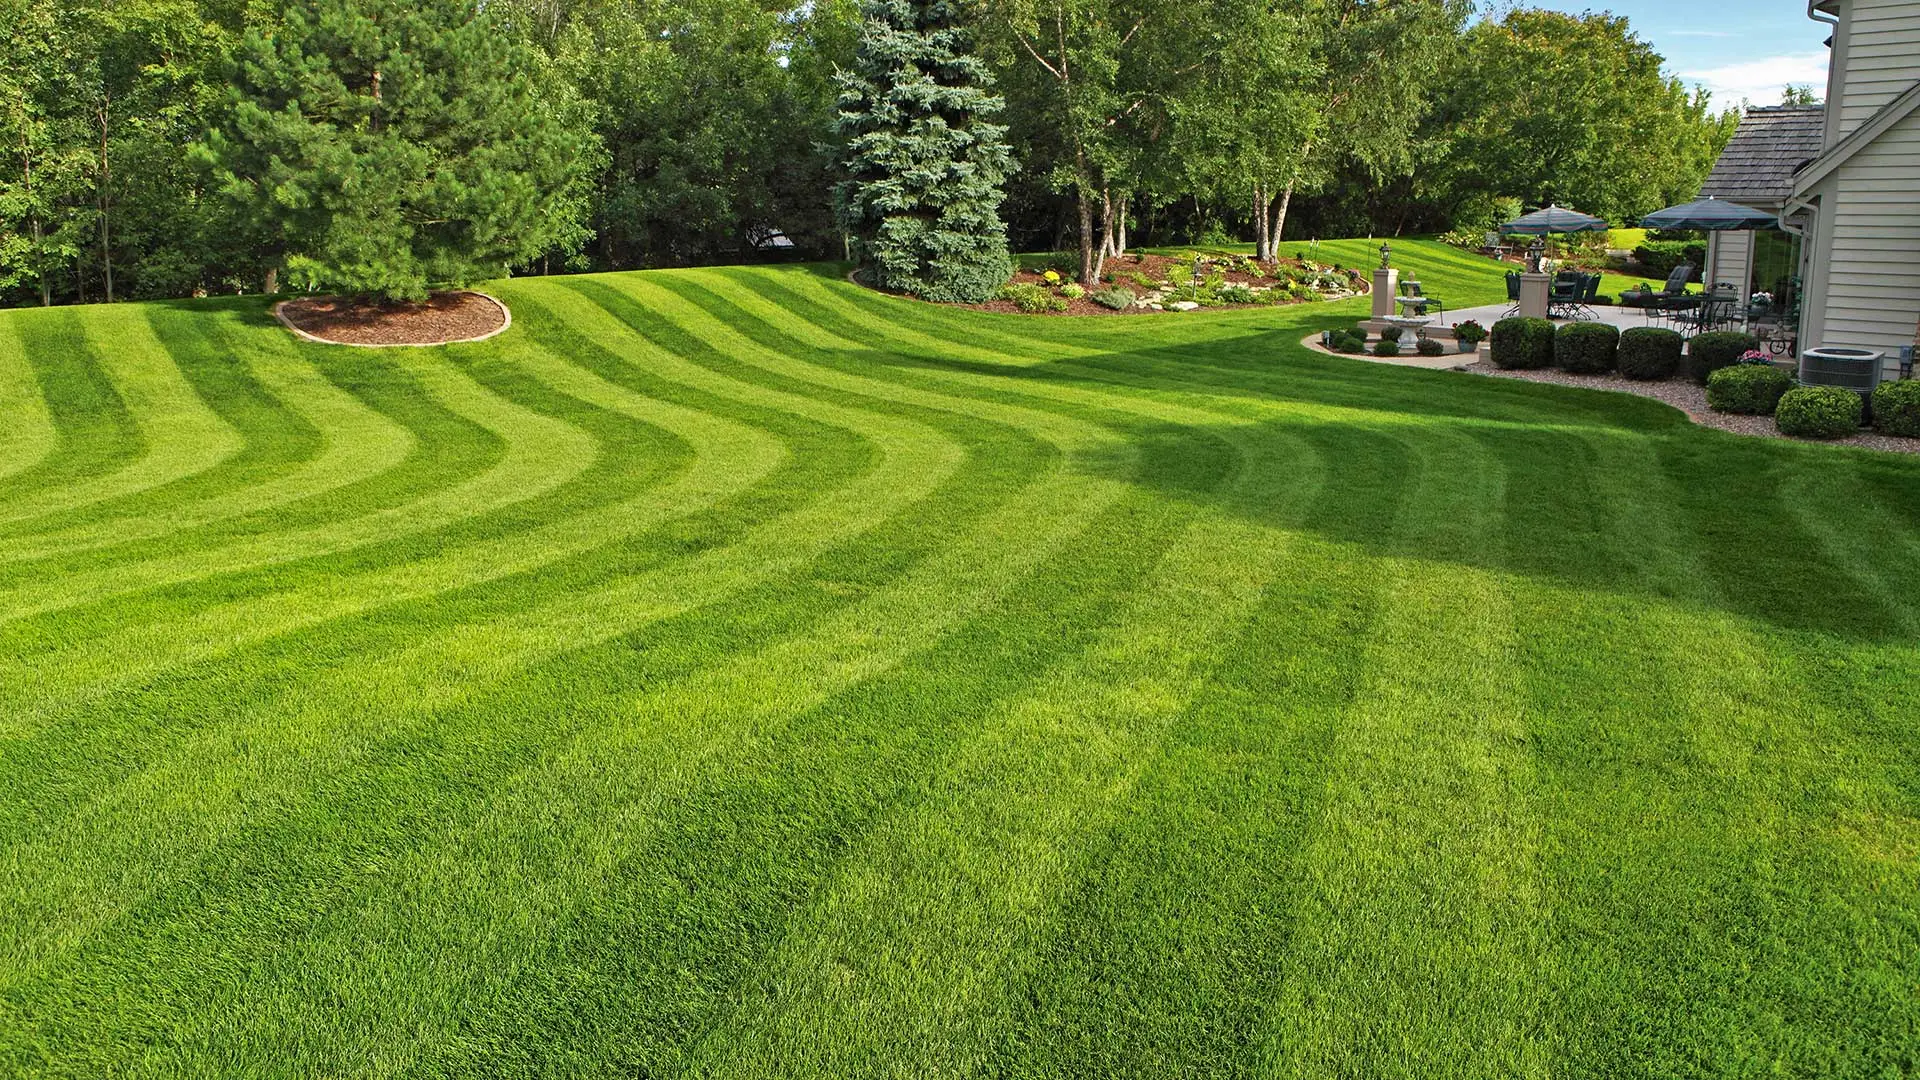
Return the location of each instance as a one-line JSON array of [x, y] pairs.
[[1730, 258], [1879, 58], [1873, 271]]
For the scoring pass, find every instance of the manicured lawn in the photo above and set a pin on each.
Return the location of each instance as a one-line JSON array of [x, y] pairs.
[[734, 673]]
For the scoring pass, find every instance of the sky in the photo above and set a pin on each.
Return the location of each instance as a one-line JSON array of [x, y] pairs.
[[1738, 49]]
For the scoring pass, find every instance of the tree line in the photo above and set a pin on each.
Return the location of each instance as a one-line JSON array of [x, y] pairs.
[[161, 148]]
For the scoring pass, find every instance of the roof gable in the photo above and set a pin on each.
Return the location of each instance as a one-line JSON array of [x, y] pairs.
[[1758, 164]]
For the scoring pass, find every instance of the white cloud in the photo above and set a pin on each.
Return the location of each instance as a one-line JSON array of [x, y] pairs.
[[1760, 81]]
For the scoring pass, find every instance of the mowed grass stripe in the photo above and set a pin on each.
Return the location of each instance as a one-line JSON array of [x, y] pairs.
[[1743, 810], [626, 776], [271, 438], [656, 770], [540, 453], [1027, 517], [736, 460], [1170, 949], [28, 435], [983, 853], [1416, 933], [226, 774], [305, 436], [95, 431], [181, 434]]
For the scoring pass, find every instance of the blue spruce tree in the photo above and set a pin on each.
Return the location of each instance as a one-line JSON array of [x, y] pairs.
[[925, 166]]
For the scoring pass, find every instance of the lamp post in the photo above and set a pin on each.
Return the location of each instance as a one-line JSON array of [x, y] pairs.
[[1534, 251], [1386, 256]]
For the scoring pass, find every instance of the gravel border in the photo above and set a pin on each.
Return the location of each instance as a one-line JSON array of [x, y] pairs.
[[1692, 400], [1679, 393]]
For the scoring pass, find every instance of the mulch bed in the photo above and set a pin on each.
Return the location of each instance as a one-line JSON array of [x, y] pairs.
[[445, 318], [1121, 271]]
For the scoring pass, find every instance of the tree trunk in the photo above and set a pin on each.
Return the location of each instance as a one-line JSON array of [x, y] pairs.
[[1262, 248], [106, 205], [272, 283], [46, 287], [1120, 226], [1280, 217], [1106, 224]]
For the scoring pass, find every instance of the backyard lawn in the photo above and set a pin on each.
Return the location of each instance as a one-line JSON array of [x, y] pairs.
[[733, 672]]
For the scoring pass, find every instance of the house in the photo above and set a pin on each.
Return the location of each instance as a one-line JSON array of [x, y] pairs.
[[1857, 204], [1757, 169]]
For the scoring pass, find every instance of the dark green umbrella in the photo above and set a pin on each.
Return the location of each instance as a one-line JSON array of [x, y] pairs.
[[1711, 215], [1555, 219]]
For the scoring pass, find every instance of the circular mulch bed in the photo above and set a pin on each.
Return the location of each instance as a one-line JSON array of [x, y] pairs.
[[445, 318]]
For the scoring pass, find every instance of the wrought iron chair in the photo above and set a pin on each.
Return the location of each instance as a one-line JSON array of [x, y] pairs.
[[1563, 297], [1672, 303]]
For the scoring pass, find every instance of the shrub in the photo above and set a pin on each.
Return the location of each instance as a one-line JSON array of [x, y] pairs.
[[1709, 353], [1649, 352], [1073, 290], [1818, 412], [1659, 258], [1429, 347], [1238, 294], [1391, 333], [1896, 408], [1349, 341], [1032, 299], [1752, 389], [1470, 332], [1586, 348], [1522, 343], [1119, 298], [1386, 347], [1143, 281]]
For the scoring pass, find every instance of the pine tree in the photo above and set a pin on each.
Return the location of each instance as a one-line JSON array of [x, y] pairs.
[[925, 165], [386, 146]]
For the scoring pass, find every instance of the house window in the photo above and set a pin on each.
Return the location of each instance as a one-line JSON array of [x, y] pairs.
[[1776, 265]]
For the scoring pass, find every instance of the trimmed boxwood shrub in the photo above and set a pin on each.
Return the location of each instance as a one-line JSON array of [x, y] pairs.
[[1349, 341], [1389, 333], [1896, 408], [1522, 343], [1818, 412], [1709, 353], [1427, 346], [1386, 347], [1650, 353], [1753, 389], [1586, 348]]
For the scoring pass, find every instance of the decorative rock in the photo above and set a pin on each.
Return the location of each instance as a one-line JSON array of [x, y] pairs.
[[1185, 305]]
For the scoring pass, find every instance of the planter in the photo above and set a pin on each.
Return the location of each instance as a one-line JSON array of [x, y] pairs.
[[1467, 346]]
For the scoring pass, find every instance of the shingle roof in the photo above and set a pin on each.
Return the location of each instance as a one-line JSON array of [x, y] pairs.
[[1758, 164]]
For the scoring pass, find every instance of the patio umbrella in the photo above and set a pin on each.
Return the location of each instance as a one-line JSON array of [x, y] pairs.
[[1711, 215], [1554, 219]]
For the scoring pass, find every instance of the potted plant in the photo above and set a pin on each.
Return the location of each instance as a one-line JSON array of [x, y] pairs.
[[1469, 334]]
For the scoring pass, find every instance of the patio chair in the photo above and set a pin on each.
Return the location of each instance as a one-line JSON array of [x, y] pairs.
[[1673, 302], [1563, 297], [1513, 294]]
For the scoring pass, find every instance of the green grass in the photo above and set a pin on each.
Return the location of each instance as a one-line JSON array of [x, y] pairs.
[[732, 672]]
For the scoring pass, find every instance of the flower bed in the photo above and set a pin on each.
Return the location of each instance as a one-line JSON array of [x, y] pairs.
[[1185, 282]]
